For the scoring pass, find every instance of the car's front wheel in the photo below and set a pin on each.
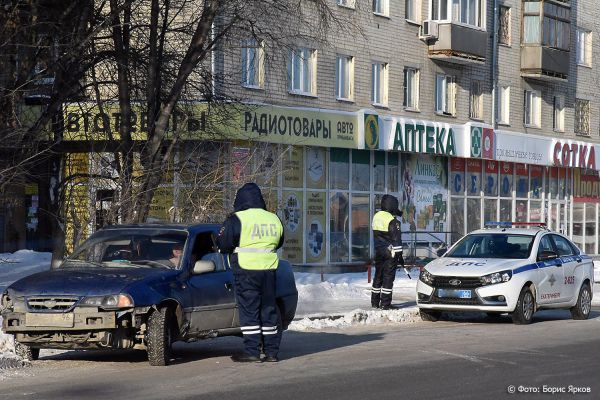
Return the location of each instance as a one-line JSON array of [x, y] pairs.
[[429, 315], [584, 303], [525, 308], [159, 337], [26, 352]]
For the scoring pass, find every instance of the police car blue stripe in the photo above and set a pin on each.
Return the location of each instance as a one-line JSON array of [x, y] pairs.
[[524, 268]]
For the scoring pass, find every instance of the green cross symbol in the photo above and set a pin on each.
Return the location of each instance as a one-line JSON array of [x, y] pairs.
[[475, 142]]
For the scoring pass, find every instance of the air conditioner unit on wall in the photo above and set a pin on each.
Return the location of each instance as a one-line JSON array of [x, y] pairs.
[[429, 30]]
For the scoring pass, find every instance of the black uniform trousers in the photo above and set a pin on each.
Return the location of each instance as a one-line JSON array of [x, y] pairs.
[[381, 292], [259, 320]]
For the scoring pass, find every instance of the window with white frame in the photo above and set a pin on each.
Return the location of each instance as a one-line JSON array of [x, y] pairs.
[[584, 47], [504, 105], [504, 25], [344, 77], [253, 60], [532, 108], [302, 71], [559, 114], [379, 83], [411, 88], [412, 10], [445, 94], [476, 100], [582, 117], [381, 7], [468, 12], [346, 3]]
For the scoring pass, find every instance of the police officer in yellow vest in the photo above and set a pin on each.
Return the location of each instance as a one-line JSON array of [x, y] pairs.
[[388, 251], [252, 235]]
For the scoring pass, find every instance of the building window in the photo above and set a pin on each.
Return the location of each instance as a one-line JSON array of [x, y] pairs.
[[504, 105], [346, 3], [582, 117], [302, 71], [504, 26], [411, 88], [445, 95], [559, 114], [584, 48], [253, 60], [379, 84], [469, 12], [476, 100], [532, 105], [381, 7], [344, 78], [412, 10], [555, 31]]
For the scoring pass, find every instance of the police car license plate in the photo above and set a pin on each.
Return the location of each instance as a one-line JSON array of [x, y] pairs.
[[454, 293]]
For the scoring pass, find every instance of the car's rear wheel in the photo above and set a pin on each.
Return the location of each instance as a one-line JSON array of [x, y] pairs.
[[584, 303], [26, 352], [525, 308], [429, 315], [159, 337]]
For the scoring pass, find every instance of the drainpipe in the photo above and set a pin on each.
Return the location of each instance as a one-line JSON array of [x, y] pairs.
[[494, 68]]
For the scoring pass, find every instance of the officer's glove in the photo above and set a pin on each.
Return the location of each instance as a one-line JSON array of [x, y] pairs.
[[399, 260]]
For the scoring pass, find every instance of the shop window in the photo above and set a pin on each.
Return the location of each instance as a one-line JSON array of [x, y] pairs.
[[379, 84], [490, 209], [535, 211], [536, 181], [578, 209], [339, 174], [379, 171], [316, 208], [590, 228], [506, 179], [338, 227], [506, 210], [458, 218], [473, 183], [490, 180], [474, 213], [521, 211], [344, 78], [392, 172], [361, 160], [316, 168], [253, 64], [361, 225], [522, 177], [457, 176], [302, 71], [293, 165]]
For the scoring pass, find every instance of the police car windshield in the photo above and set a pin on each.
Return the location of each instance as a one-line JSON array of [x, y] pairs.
[[493, 245]]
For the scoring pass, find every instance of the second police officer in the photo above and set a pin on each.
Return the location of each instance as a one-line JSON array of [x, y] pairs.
[[388, 251]]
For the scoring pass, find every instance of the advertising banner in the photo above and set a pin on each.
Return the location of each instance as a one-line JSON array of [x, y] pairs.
[[586, 186], [315, 227], [292, 206], [424, 192], [457, 176], [293, 166]]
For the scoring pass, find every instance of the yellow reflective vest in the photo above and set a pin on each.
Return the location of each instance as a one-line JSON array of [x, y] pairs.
[[381, 221], [259, 237]]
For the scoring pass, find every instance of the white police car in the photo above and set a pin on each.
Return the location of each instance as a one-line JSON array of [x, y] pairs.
[[508, 270]]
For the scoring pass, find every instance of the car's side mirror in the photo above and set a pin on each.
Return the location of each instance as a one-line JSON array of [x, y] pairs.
[[547, 255], [203, 266], [441, 251]]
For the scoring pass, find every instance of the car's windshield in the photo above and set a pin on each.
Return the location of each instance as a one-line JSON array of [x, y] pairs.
[[493, 245], [139, 248]]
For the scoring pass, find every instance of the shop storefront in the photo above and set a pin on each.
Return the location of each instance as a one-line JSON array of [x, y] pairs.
[[324, 172]]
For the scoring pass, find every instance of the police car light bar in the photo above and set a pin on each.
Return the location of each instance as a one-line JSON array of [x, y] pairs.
[[510, 224]]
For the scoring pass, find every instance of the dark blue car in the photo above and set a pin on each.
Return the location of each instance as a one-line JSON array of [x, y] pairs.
[[136, 286]]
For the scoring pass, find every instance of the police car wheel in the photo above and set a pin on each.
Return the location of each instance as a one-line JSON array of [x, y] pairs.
[[584, 303], [159, 337], [428, 315], [525, 308], [26, 352]]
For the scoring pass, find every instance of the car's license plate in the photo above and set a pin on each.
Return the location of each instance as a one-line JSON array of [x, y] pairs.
[[455, 293], [49, 320]]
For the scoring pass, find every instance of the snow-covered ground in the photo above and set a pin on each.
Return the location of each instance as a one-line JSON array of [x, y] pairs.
[[331, 301]]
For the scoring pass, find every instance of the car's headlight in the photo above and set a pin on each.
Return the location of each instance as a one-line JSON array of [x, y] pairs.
[[107, 302], [426, 277], [496, 277]]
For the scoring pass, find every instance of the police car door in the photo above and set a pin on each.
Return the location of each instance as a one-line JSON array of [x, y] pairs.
[[571, 260], [550, 274]]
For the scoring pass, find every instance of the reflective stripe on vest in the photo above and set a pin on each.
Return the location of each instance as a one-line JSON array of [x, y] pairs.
[[259, 237], [381, 221]]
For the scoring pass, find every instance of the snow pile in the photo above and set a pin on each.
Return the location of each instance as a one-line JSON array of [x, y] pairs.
[[357, 317], [8, 358]]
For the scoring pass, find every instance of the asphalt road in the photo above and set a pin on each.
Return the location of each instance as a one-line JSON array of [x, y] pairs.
[[467, 358]]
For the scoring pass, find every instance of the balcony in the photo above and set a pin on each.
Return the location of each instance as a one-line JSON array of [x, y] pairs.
[[544, 63], [456, 43]]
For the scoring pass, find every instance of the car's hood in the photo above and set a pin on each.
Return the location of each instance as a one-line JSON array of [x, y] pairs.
[[84, 281], [451, 266]]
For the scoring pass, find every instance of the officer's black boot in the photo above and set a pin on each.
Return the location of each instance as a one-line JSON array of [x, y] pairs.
[[245, 358], [375, 300]]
